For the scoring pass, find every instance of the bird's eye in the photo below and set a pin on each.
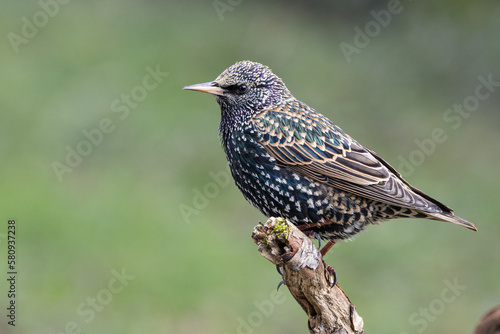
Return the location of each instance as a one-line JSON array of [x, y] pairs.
[[237, 89], [241, 89]]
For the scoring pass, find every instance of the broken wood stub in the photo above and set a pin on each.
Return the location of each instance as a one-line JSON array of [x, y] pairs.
[[326, 305]]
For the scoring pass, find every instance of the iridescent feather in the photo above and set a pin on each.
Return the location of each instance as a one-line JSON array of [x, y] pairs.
[[290, 161]]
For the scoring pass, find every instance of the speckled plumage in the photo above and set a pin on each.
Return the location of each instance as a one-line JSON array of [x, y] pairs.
[[290, 161]]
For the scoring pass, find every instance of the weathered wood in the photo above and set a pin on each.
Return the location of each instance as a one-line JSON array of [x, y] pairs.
[[328, 308], [489, 323]]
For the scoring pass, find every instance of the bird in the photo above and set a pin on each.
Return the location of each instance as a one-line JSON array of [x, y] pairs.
[[290, 161]]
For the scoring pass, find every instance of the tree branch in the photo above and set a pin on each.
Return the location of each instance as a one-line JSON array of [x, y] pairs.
[[489, 323], [328, 308]]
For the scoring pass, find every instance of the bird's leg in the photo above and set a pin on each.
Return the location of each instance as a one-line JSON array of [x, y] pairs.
[[304, 228], [327, 247], [329, 268]]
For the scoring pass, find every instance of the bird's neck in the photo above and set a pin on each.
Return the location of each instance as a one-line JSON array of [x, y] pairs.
[[233, 120]]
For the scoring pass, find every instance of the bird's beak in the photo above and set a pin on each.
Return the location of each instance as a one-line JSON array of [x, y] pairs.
[[207, 87]]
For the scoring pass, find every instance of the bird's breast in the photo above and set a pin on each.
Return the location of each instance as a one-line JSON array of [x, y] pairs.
[[273, 189]]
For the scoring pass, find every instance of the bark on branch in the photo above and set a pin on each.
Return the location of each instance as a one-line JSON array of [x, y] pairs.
[[328, 308], [489, 323]]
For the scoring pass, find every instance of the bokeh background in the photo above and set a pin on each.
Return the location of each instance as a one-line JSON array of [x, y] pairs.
[[150, 201]]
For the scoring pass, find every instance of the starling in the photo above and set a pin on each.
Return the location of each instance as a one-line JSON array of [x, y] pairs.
[[290, 161]]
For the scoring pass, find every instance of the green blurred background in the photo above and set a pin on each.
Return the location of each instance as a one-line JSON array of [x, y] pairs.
[[120, 208]]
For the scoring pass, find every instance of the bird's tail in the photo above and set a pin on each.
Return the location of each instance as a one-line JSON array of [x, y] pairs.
[[450, 217]]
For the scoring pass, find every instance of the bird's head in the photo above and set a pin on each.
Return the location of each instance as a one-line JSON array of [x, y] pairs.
[[245, 86]]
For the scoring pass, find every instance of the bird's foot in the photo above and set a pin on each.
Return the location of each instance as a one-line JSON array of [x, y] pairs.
[[332, 275]]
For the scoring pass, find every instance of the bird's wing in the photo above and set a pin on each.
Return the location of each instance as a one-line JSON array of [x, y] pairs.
[[308, 143]]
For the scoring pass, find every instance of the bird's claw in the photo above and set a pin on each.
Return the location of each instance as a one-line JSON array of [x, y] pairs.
[[316, 235], [280, 271], [332, 275]]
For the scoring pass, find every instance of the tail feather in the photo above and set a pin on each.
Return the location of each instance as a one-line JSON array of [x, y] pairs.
[[450, 217]]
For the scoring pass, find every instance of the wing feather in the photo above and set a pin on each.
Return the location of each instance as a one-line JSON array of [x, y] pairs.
[[308, 143]]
